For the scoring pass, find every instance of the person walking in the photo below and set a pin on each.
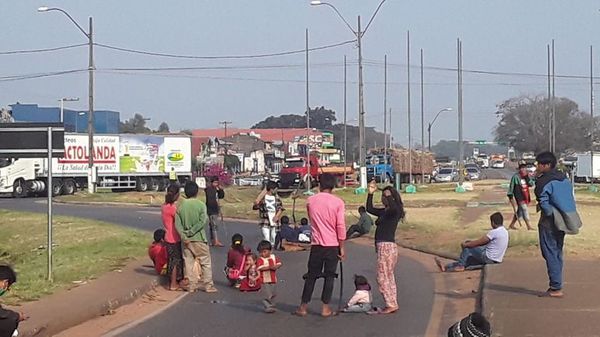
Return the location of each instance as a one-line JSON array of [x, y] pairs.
[[214, 193], [385, 242], [190, 221], [172, 239], [519, 196], [328, 226], [362, 227], [269, 208], [554, 194]]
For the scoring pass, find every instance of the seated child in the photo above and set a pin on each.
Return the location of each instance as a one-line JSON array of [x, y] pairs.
[[158, 252], [305, 231], [488, 249], [251, 280], [236, 260], [361, 301]]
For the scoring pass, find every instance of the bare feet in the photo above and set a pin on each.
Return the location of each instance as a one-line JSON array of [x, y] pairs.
[[389, 310], [326, 311], [301, 311], [440, 264], [218, 244]]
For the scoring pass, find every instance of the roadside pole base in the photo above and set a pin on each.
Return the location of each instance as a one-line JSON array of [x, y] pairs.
[[460, 189], [308, 193], [410, 189], [360, 190], [593, 188]]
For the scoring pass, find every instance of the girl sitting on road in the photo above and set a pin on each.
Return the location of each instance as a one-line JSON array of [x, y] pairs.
[[361, 301], [236, 260], [251, 280]]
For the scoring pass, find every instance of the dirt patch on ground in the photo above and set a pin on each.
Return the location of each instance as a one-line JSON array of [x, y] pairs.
[[491, 196]]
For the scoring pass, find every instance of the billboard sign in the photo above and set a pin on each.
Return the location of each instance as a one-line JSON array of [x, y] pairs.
[[178, 154], [141, 154], [76, 158]]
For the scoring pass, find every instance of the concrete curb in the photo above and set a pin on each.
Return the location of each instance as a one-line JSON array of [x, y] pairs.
[[96, 203], [429, 251], [53, 324]]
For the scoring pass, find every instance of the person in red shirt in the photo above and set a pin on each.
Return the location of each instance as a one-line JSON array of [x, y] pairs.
[[158, 252], [172, 239], [251, 280], [236, 260], [267, 266]]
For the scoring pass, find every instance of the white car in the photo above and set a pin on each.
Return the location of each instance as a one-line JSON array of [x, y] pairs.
[[500, 164]]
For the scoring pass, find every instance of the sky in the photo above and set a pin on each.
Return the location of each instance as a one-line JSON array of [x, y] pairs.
[[500, 36]]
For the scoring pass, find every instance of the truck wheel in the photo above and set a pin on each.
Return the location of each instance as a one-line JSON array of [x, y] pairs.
[[141, 185], [154, 185], [19, 189], [57, 186], [162, 184], [69, 187]]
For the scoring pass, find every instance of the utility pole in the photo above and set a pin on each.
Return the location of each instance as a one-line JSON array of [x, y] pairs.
[[309, 176], [592, 113], [345, 122], [461, 151], [422, 121], [553, 149], [385, 144], [549, 101], [361, 112], [92, 176], [225, 123], [410, 176]]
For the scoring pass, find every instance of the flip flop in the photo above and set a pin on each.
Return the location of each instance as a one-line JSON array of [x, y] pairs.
[[176, 289], [300, 313]]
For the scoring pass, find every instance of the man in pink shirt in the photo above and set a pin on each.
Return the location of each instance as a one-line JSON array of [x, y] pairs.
[[328, 226]]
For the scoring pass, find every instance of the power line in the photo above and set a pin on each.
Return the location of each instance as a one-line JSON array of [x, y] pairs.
[[235, 67], [12, 78], [33, 51], [222, 57]]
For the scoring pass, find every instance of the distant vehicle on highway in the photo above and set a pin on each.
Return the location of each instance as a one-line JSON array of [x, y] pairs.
[[498, 164], [473, 173], [483, 160], [472, 165], [446, 175]]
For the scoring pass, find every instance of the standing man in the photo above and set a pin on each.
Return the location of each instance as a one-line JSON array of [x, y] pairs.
[[173, 176], [190, 221], [519, 197], [554, 194], [214, 193], [327, 219]]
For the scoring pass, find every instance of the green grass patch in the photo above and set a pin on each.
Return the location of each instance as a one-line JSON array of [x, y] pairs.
[[83, 250]]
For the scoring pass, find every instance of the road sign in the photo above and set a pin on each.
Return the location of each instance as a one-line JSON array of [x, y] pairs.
[[35, 140], [30, 140]]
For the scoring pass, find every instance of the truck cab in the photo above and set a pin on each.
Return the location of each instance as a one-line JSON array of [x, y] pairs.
[[378, 169], [16, 174], [295, 172]]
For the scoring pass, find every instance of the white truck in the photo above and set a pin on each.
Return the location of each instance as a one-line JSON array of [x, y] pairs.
[[583, 167], [121, 162]]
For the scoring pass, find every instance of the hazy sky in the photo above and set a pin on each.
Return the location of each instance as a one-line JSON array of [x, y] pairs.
[[505, 36]]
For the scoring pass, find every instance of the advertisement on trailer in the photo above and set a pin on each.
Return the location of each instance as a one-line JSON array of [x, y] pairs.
[[178, 151], [75, 161], [141, 154]]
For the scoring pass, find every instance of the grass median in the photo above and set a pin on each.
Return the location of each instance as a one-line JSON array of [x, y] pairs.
[[83, 250]]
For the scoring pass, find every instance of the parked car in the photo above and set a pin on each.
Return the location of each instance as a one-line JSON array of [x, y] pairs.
[[249, 181], [446, 175]]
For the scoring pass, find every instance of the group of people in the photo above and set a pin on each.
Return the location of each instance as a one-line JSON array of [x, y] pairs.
[[181, 249], [555, 202]]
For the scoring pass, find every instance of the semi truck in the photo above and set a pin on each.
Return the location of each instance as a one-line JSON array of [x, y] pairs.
[[295, 172], [583, 167], [398, 161], [120, 162]]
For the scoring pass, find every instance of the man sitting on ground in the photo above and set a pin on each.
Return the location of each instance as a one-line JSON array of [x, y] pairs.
[[488, 249], [362, 227]]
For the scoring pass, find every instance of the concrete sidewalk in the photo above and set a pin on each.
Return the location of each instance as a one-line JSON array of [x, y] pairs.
[[98, 297], [511, 299]]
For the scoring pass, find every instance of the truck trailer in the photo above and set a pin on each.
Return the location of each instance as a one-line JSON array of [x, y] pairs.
[[121, 162], [583, 168]]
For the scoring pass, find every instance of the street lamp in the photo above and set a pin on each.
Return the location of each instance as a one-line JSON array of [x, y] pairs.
[[361, 111], [431, 124], [62, 106], [89, 36]]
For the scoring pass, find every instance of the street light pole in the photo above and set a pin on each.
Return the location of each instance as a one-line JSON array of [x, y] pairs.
[[359, 33], [89, 35], [309, 176], [62, 107], [431, 124], [345, 123]]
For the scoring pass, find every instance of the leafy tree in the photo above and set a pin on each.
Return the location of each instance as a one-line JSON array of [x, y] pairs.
[[163, 128], [5, 116], [320, 118], [524, 124], [136, 124]]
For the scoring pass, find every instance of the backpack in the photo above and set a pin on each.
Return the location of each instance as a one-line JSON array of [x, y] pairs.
[[235, 273]]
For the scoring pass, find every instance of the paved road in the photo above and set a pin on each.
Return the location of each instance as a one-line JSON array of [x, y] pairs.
[[231, 313], [505, 173]]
